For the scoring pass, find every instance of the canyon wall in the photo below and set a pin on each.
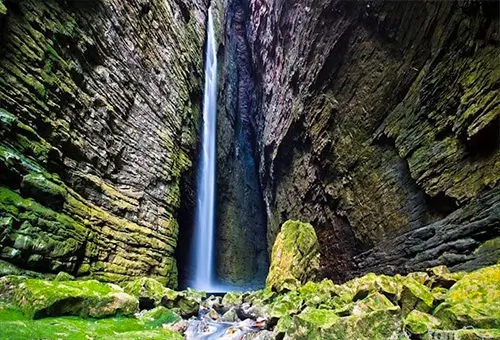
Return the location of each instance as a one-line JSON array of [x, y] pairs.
[[241, 241], [378, 122], [99, 120]]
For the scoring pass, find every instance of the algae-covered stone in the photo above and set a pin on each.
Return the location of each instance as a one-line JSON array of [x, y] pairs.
[[417, 322], [317, 293], [373, 302], [415, 296], [147, 290], [287, 304], [310, 323], [39, 298], [43, 190], [473, 301], [159, 316], [441, 276], [63, 276], [232, 299], [295, 256], [186, 302], [325, 324]]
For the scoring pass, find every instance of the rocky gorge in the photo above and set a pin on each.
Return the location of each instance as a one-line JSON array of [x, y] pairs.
[[377, 122]]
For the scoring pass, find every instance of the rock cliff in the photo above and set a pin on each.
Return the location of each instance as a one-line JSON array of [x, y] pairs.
[[99, 117], [379, 124], [241, 240]]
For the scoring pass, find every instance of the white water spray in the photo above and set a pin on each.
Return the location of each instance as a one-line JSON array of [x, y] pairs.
[[202, 253]]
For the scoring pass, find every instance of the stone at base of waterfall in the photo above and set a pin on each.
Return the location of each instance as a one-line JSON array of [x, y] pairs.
[[90, 298], [295, 257]]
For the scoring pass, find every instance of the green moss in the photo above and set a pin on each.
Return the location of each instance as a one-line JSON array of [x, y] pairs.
[[295, 256], [15, 326], [160, 316], [63, 276], [40, 298], [146, 288], [473, 301], [287, 304], [38, 186], [420, 323]]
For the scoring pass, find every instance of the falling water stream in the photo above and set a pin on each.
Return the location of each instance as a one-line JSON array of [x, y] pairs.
[[202, 253]]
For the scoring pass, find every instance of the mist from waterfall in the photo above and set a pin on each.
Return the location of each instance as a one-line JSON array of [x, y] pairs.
[[202, 252]]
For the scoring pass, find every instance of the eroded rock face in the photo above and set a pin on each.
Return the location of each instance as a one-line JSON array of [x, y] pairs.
[[379, 125], [99, 113], [241, 231]]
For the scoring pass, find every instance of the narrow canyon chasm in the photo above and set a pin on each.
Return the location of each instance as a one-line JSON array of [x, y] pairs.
[[377, 122]]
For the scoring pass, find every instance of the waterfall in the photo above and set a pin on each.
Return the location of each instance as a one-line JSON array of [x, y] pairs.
[[202, 253]]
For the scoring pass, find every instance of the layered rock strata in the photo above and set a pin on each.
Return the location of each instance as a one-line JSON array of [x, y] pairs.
[[99, 116], [379, 124]]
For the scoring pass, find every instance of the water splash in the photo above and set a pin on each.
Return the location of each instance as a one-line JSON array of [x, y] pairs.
[[202, 254]]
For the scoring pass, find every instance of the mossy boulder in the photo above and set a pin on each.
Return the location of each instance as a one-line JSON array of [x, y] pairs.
[[147, 290], [315, 294], [415, 295], [287, 304], [232, 299], [419, 323], [159, 316], [40, 298], [473, 301], [326, 324], [187, 302], [63, 276], [295, 257]]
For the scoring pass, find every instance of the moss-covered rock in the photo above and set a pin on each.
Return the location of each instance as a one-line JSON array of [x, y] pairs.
[[159, 316], [419, 323], [63, 276], [186, 303], [40, 298], [232, 299], [287, 304], [15, 326], [295, 256], [147, 290], [473, 301], [415, 295], [325, 324]]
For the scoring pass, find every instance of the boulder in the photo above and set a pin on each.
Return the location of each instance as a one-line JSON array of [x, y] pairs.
[[186, 302], [63, 276], [147, 290], [40, 298], [419, 323], [159, 316], [473, 301], [295, 257]]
